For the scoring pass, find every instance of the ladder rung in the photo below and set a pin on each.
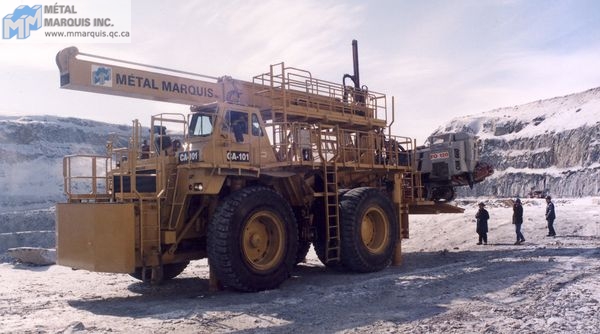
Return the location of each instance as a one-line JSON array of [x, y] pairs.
[[149, 240]]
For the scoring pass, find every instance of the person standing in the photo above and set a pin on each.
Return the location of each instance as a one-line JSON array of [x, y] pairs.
[[145, 150], [550, 216], [517, 219], [482, 217]]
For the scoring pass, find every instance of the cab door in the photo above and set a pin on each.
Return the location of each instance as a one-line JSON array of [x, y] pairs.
[[246, 143], [262, 151], [238, 142]]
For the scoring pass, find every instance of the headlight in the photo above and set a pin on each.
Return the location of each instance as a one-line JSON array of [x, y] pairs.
[[198, 187]]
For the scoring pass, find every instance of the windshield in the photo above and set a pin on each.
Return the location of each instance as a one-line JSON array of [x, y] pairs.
[[439, 139], [201, 124]]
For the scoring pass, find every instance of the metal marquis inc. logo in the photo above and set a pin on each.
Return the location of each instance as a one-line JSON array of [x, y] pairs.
[[101, 76], [22, 21]]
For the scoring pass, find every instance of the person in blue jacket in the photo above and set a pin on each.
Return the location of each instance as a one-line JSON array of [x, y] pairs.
[[482, 217], [550, 216]]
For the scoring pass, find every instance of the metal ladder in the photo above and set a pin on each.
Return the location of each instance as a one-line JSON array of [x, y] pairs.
[[174, 202], [149, 234], [328, 144], [332, 214], [408, 187]]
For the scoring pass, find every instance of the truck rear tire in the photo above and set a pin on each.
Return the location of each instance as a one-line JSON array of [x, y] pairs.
[[303, 248], [170, 271], [252, 240], [369, 230], [303, 245]]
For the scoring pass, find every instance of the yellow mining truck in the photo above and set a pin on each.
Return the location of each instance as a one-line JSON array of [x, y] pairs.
[[255, 173]]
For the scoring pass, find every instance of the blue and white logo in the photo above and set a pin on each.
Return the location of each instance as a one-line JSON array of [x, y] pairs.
[[101, 76], [21, 22]]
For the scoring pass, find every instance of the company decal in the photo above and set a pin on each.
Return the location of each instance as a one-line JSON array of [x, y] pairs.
[[439, 155], [90, 21], [101, 76], [133, 80]]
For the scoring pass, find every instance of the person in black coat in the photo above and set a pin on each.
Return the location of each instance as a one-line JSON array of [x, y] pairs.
[[517, 219], [482, 217], [550, 216]]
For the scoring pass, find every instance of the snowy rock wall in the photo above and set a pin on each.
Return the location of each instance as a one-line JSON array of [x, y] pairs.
[[32, 151], [549, 145], [31, 181], [33, 228]]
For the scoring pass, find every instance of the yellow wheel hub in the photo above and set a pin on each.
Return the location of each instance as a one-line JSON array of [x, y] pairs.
[[374, 230], [263, 240]]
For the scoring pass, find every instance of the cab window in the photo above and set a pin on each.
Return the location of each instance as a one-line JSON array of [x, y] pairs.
[[201, 125], [237, 123]]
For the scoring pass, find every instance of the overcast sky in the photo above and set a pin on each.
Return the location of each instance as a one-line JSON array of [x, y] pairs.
[[440, 59]]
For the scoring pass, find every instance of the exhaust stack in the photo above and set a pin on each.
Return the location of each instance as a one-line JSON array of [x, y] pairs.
[[357, 92]]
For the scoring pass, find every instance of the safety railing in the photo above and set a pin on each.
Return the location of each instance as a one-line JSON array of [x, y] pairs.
[[303, 143], [85, 178], [289, 86], [291, 142]]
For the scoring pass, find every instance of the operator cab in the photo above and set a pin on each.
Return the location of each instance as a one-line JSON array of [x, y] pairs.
[[236, 134], [235, 121]]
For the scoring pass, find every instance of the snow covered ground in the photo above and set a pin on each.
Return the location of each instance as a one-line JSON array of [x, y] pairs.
[[447, 284]]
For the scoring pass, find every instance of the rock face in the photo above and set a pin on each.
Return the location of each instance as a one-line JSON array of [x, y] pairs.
[[27, 228], [31, 181], [551, 145], [32, 151]]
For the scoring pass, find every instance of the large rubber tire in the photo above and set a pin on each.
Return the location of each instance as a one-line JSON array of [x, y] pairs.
[[440, 193], [303, 245], [170, 271], [303, 248], [369, 230], [252, 240]]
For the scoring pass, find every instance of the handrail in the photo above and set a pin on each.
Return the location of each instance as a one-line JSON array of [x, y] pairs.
[[296, 86], [89, 183]]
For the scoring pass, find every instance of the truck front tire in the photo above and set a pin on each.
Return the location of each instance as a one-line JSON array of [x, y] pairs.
[[252, 240]]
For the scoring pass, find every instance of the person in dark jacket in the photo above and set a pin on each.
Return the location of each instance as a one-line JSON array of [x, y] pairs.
[[482, 217], [517, 219], [550, 216]]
